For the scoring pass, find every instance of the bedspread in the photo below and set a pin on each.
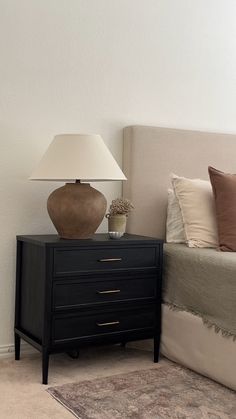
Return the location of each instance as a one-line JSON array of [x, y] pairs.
[[203, 282]]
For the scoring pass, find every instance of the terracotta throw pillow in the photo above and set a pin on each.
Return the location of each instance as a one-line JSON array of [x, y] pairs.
[[224, 189]]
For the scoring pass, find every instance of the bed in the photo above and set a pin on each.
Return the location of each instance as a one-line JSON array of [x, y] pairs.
[[150, 155]]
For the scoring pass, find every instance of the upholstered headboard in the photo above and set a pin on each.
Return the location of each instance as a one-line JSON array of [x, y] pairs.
[[151, 154]]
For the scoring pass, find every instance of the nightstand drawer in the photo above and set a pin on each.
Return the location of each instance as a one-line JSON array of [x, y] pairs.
[[71, 294], [74, 261], [79, 326]]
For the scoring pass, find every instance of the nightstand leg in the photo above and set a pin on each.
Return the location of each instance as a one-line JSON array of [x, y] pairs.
[[45, 362], [17, 347], [156, 349]]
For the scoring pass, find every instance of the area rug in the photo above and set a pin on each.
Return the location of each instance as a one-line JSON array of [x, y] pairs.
[[167, 391]]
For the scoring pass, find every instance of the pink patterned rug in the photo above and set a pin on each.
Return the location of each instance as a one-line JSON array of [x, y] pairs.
[[167, 391]]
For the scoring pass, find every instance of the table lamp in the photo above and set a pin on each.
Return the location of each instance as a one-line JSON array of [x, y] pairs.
[[76, 209]]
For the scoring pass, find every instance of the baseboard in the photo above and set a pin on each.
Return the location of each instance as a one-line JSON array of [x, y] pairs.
[[8, 350]]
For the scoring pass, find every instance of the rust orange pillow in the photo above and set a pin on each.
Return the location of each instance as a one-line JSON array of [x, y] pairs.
[[224, 189]]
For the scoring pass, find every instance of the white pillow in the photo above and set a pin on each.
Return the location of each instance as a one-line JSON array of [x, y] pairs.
[[197, 206], [174, 222]]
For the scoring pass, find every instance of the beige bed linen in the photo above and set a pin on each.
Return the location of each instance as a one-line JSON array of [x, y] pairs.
[[197, 204], [187, 341]]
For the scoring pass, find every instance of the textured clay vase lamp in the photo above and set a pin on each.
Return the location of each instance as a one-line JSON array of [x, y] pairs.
[[76, 209]]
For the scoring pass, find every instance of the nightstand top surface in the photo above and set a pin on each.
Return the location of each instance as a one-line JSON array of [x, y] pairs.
[[54, 239]]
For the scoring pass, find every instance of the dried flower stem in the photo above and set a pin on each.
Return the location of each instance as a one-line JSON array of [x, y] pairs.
[[120, 206]]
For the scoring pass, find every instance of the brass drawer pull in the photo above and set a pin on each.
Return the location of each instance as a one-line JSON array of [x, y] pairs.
[[110, 260], [108, 292], [108, 324]]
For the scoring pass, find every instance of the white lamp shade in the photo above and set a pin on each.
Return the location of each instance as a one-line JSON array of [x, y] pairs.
[[73, 157]]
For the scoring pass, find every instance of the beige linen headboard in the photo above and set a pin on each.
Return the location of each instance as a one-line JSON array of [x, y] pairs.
[[152, 153]]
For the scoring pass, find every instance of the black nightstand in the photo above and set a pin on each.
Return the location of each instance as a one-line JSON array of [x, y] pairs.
[[71, 293]]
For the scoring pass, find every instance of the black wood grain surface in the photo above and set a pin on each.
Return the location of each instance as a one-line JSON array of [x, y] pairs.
[[71, 293]]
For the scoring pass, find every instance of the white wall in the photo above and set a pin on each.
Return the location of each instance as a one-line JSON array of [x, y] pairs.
[[96, 66]]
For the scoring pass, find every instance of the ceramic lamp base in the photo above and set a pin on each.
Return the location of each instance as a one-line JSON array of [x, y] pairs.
[[76, 210]]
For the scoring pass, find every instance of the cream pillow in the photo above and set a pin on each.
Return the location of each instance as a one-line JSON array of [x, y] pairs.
[[174, 222], [197, 206]]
